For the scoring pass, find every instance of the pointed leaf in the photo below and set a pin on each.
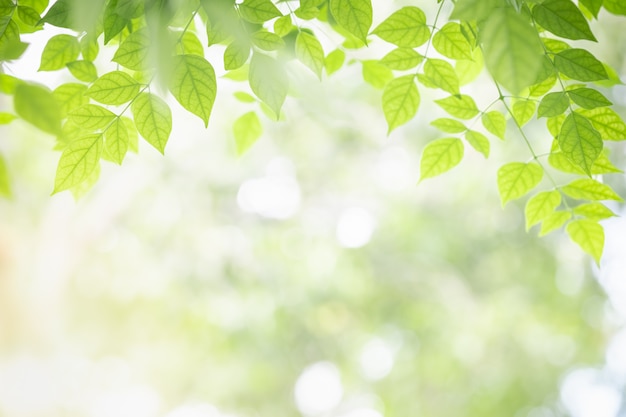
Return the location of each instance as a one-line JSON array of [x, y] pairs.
[[236, 55], [114, 88], [83, 70], [116, 141], [376, 74], [405, 27], [495, 123], [5, 184], [334, 61], [402, 59], [268, 80], [590, 189], [355, 16], [562, 18], [523, 111], [461, 106], [153, 119], [607, 122], [554, 221], [400, 101], [258, 11], [516, 179], [579, 64], [449, 125], [247, 129], [91, 116], [553, 104], [588, 98], [70, 96], [478, 142], [440, 156], [541, 206], [442, 75], [77, 162], [133, 52], [193, 85], [59, 50], [309, 51], [594, 211], [450, 42], [589, 235], [579, 141], [267, 41]]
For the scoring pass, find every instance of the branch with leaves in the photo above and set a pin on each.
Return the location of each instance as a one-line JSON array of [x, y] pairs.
[[521, 43]]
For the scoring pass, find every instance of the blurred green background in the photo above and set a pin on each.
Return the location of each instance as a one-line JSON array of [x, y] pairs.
[[311, 276]]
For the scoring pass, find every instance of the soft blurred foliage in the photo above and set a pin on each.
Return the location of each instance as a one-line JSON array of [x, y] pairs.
[[199, 281]]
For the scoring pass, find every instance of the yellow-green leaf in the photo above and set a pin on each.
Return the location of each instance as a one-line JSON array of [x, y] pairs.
[[461, 106], [116, 141], [516, 179], [309, 51], [258, 11], [83, 70], [589, 235], [91, 116], [580, 142], [440, 156], [495, 123], [38, 106], [246, 129], [153, 119], [193, 85], [400, 101], [590, 189], [268, 80], [450, 42], [59, 50], [554, 221], [405, 27], [541, 206], [442, 75], [114, 88], [70, 96], [77, 162], [133, 52], [478, 141], [355, 16]]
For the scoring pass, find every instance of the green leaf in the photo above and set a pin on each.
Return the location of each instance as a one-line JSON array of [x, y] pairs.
[[579, 141], [449, 125], [133, 52], [113, 22], [70, 96], [579, 64], [59, 50], [28, 15], [267, 41], [153, 119], [461, 106], [258, 11], [554, 124], [37, 106], [133, 135], [355, 16], [91, 116], [400, 101], [193, 85], [562, 18], [474, 9], [553, 104], [89, 47], [541, 206], [246, 129], [8, 83], [268, 80], [478, 142], [590, 189], [405, 27], [607, 122], [283, 25], [11, 47], [6, 118], [523, 111], [309, 51], [5, 185], [236, 55], [594, 211], [77, 162], [440, 156], [451, 43], [615, 6], [116, 141], [442, 75], [588, 98], [602, 164], [593, 6], [469, 69], [114, 88], [589, 235], [59, 15], [495, 123], [334, 61], [554, 221], [189, 44], [376, 74], [244, 97], [402, 59], [512, 49], [83, 70], [516, 179]]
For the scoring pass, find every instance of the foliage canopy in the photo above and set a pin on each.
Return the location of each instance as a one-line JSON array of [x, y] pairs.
[[524, 45]]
